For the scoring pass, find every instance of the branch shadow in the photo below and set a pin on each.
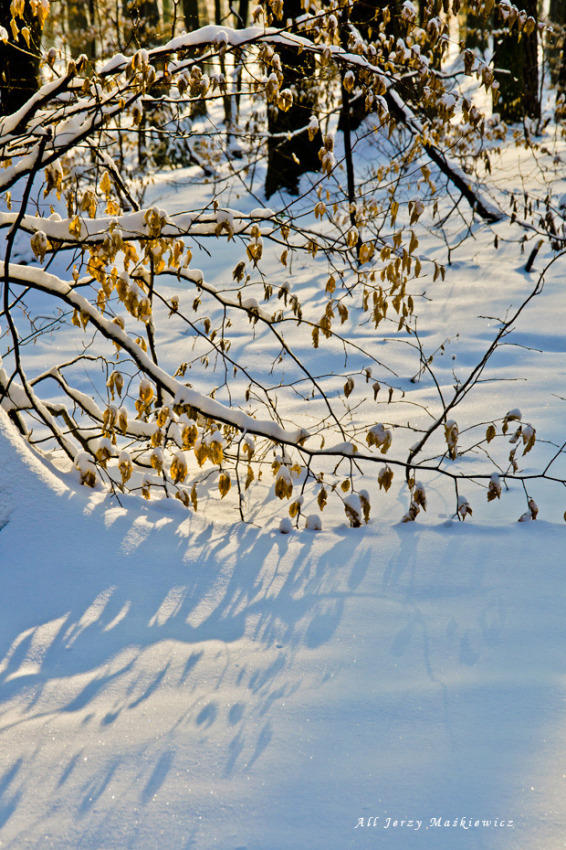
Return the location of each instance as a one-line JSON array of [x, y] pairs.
[[161, 604], [195, 636]]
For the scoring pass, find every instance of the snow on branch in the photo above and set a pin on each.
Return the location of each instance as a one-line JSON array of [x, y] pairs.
[[138, 225], [180, 394]]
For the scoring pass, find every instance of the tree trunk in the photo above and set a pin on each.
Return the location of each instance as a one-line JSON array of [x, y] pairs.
[[288, 158], [226, 98], [473, 29], [191, 15], [516, 63], [531, 97], [19, 64], [242, 19]]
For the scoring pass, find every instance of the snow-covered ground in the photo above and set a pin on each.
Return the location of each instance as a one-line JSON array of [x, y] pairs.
[[172, 682], [180, 680]]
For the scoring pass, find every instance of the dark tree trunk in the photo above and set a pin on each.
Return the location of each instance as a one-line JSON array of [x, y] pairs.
[[242, 22], [191, 15], [531, 97], [227, 98], [19, 64], [518, 79], [143, 19], [289, 158], [557, 11], [473, 30]]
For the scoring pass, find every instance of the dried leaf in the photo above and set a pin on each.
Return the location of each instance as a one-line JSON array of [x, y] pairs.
[[224, 484]]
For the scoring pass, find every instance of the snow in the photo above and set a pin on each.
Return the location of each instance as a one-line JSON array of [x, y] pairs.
[[313, 523], [183, 680], [182, 394], [448, 100], [9, 123], [135, 224], [157, 687], [117, 62], [353, 502]]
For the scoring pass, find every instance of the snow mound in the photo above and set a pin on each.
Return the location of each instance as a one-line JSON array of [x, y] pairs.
[[23, 476]]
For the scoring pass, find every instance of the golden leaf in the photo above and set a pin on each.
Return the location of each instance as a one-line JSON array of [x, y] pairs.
[[75, 227], [178, 469], [106, 184], [125, 468], [385, 478], [353, 516], [394, 210], [146, 391], [294, 508], [215, 452], [156, 461], [283, 487], [163, 416], [201, 453], [224, 484], [88, 478], [183, 497], [189, 435]]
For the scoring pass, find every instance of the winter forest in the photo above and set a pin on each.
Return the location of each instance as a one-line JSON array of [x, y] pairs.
[[282, 388]]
